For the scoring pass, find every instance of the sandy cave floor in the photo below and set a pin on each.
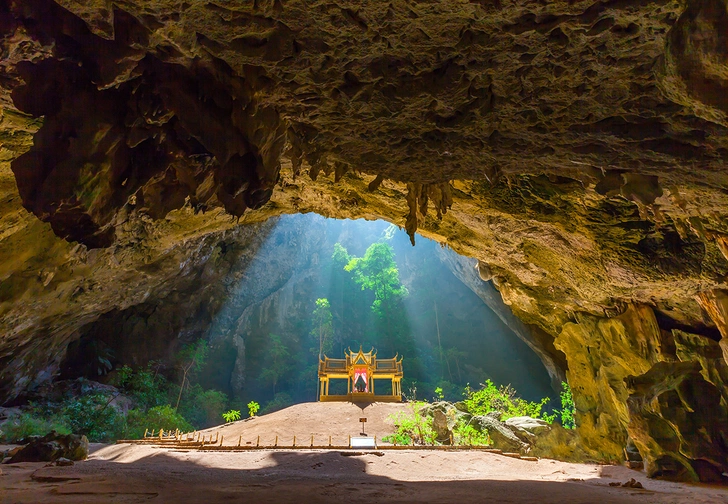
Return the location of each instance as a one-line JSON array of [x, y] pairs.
[[127, 473]]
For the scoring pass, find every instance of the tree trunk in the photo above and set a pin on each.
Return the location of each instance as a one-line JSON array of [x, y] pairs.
[[439, 343]]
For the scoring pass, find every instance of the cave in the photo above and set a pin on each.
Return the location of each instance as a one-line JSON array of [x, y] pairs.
[[175, 174]]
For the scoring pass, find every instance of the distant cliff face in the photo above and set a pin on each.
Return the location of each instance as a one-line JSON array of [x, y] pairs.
[[576, 149]]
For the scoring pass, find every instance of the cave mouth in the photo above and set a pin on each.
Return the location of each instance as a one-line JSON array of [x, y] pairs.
[[418, 309], [260, 311]]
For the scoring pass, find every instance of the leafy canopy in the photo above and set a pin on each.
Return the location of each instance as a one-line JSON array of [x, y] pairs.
[[376, 271]]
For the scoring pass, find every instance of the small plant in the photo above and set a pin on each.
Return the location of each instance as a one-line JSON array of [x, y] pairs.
[[231, 416], [253, 408], [438, 394], [567, 407]]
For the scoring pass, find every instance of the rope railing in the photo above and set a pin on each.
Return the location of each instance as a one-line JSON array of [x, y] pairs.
[[214, 442]]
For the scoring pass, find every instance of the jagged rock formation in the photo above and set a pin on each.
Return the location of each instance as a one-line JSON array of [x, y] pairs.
[[584, 141], [666, 389]]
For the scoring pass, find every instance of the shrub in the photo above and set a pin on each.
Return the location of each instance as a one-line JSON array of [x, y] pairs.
[[504, 400], [231, 415], [158, 417], [92, 416], [253, 408], [145, 386], [26, 424], [467, 435], [411, 428], [203, 408]]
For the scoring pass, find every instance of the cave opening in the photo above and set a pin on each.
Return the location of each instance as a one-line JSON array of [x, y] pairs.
[[436, 321], [268, 306]]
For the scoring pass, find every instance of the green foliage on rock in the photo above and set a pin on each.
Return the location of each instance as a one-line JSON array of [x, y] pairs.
[[201, 407], [93, 416], [567, 407], [464, 434], [146, 386], [150, 394], [504, 400]]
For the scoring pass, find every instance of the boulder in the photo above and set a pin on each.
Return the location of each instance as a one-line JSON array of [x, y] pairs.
[[501, 436], [560, 444], [9, 413], [444, 423], [445, 417], [52, 447], [534, 426], [64, 462]]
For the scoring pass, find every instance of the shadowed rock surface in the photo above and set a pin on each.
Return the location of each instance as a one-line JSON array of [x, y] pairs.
[[576, 149], [52, 447]]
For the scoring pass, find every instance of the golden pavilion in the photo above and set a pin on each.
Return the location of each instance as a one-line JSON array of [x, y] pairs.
[[360, 370]]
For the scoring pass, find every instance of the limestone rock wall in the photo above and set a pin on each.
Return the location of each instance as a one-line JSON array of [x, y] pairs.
[[666, 390]]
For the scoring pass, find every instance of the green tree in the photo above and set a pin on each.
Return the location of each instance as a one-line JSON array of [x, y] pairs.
[[378, 272], [191, 360], [340, 255], [275, 360], [323, 329]]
